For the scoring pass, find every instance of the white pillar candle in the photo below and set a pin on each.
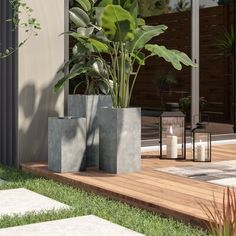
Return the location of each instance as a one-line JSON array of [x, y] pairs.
[[201, 152], [171, 145]]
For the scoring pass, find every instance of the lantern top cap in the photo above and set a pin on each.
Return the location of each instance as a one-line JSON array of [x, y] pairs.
[[172, 106], [172, 110], [201, 125]]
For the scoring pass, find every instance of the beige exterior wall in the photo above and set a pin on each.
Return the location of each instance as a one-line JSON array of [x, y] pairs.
[[39, 60]]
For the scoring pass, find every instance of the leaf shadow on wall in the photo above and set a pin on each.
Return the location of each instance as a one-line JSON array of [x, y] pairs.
[[33, 135]]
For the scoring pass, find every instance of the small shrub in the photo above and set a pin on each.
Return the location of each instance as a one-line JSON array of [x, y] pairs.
[[222, 220]]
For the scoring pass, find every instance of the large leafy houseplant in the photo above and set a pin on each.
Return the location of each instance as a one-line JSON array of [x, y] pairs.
[[120, 40], [92, 79]]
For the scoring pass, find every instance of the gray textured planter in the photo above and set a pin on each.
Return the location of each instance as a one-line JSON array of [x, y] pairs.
[[88, 106], [120, 140], [66, 144]]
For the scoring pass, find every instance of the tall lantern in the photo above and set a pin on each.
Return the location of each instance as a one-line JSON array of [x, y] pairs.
[[201, 143], [172, 133]]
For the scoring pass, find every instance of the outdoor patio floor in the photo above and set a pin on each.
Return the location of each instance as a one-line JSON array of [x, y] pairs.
[[167, 194]]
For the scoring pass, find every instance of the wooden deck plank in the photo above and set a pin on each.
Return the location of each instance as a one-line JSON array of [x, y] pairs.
[[161, 194], [167, 194]]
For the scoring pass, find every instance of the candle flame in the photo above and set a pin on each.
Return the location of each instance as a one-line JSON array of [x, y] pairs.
[[171, 130]]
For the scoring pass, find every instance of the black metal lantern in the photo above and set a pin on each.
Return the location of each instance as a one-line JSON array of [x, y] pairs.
[[172, 133], [201, 143]]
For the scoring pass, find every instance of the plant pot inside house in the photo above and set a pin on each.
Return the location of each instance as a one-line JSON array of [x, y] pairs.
[[120, 140]]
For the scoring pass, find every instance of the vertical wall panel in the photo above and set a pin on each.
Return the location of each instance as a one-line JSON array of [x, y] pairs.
[[1, 78], [8, 77], [39, 61]]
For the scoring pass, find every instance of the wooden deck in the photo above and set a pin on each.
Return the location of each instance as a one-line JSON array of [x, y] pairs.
[[166, 194]]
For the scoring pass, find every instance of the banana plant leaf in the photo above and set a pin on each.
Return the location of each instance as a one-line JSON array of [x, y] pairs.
[[117, 23], [144, 35], [173, 56]]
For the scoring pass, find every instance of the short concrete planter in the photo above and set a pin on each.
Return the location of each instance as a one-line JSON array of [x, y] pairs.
[[66, 144], [120, 140], [88, 106]]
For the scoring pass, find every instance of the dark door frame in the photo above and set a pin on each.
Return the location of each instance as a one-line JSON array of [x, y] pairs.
[[234, 84]]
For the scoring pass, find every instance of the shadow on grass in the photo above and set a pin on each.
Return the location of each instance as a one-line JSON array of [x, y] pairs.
[[11, 174]]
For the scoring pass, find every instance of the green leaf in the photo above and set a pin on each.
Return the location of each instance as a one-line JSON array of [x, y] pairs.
[[139, 58], [145, 34], [173, 56], [98, 13], [101, 37], [81, 70], [184, 59], [165, 53], [80, 49], [141, 22], [132, 7], [85, 4], [85, 31], [104, 86], [69, 62], [104, 3], [98, 45], [79, 17], [98, 66], [117, 23]]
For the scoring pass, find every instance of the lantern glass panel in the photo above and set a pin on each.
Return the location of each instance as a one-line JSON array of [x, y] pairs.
[[172, 137], [202, 146]]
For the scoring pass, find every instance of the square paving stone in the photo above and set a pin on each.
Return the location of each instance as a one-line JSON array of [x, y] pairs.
[[21, 201], [82, 226]]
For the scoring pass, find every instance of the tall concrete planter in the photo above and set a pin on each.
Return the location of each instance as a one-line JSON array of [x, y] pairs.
[[120, 140], [66, 144], [88, 106]]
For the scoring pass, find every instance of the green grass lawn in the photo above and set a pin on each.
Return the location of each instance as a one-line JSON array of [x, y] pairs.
[[84, 203]]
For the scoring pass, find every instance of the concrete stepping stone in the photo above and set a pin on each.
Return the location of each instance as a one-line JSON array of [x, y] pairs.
[[21, 201], [82, 226]]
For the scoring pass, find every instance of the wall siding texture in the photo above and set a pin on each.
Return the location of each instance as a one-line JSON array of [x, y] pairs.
[[27, 78]]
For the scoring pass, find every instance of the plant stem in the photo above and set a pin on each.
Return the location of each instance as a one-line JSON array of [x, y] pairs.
[[133, 82]]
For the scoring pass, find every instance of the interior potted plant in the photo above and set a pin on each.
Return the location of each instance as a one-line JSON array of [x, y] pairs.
[[121, 41], [90, 88]]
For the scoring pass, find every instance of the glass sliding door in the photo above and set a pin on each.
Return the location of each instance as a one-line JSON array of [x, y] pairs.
[[159, 83], [217, 64]]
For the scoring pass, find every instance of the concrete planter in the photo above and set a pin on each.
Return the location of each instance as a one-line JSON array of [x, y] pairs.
[[66, 144], [88, 106], [120, 140]]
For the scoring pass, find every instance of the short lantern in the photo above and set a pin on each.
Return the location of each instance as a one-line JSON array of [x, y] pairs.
[[201, 143], [172, 133]]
